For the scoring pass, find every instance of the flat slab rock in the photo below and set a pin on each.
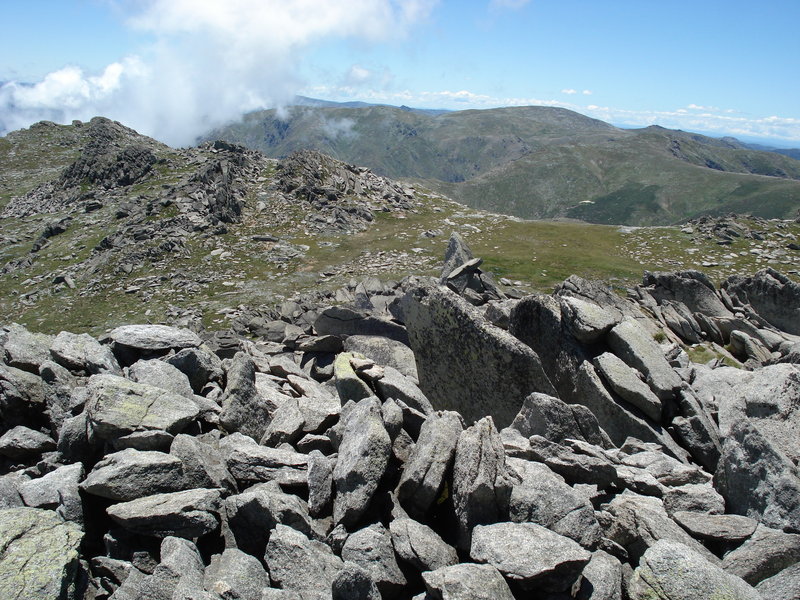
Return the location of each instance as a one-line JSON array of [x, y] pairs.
[[154, 337], [188, 514], [38, 554], [671, 571], [467, 582], [117, 407], [530, 554]]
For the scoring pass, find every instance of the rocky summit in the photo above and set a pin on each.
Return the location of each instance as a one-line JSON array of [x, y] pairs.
[[382, 423], [432, 438]]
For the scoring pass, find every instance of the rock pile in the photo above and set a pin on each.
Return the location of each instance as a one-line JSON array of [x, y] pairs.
[[421, 442]]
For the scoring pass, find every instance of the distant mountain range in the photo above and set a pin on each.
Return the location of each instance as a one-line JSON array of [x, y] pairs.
[[539, 162]]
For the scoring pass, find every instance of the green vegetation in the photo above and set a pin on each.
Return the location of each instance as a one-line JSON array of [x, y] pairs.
[[541, 162]]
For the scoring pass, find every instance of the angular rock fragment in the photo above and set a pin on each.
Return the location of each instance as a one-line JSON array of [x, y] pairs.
[[21, 442], [298, 564], [117, 407], [130, 474], [430, 462], [481, 482], [464, 362], [556, 420], [131, 342], [716, 528], [251, 463], [631, 342], [162, 375], [766, 553], [467, 581], [623, 381], [671, 571], [81, 352], [421, 546], [199, 366], [234, 574], [384, 351], [203, 463], [529, 554], [243, 408], [187, 514], [363, 456], [23, 349], [38, 555], [371, 549]]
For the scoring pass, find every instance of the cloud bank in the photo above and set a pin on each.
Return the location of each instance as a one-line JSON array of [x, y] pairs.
[[209, 62]]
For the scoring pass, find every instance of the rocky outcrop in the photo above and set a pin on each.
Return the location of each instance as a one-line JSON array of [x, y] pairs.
[[298, 467]]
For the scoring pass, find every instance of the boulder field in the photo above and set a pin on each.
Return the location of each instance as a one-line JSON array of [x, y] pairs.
[[431, 439]]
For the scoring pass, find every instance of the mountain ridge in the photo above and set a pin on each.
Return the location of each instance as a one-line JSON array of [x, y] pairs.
[[561, 160]]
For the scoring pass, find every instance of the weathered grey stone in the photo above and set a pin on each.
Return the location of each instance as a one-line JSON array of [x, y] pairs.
[[392, 416], [783, 586], [203, 463], [234, 574], [298, 564], [421, 546], [670, 570], [666, 469], [23, 349], [151, 339], [286, 425], [695, 497], [21, 442], [371, 549], [641, 521], [529, 554], [199, 365], [766, 553], [250, 463], [162, 375], [22, 397], [542, 497], [348, 384], [430, 462], [343, 321], [354, 583], [178, 575], [631, 342], [456, 254], [130, 474], [320, 482], [363, 457], [573, 466], [56, 490], [38, 555], [319, 405], [588, 321], [757, 480], [681, 321], [384, 351], [256, 511], [118, 407], [9, 489], [691, 288], [81, 352], [716, 528], [773, 295], [395, 385], [481, 482], [464, 362], [243, 408], [556, 421], [187, 514], [467, 582], [624, 381], [602, 578], [537, 321]]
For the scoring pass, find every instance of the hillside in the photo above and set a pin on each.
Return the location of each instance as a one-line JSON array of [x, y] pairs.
[[540, 162], [102, 226]]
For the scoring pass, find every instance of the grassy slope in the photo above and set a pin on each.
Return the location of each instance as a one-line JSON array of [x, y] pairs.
[[540, 162]]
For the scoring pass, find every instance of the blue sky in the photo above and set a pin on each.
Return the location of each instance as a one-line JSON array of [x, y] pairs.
[[172, 68]]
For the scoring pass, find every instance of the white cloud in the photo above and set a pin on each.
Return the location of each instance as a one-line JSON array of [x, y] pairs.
[[569, 91], [211, 61], [587, 92]]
